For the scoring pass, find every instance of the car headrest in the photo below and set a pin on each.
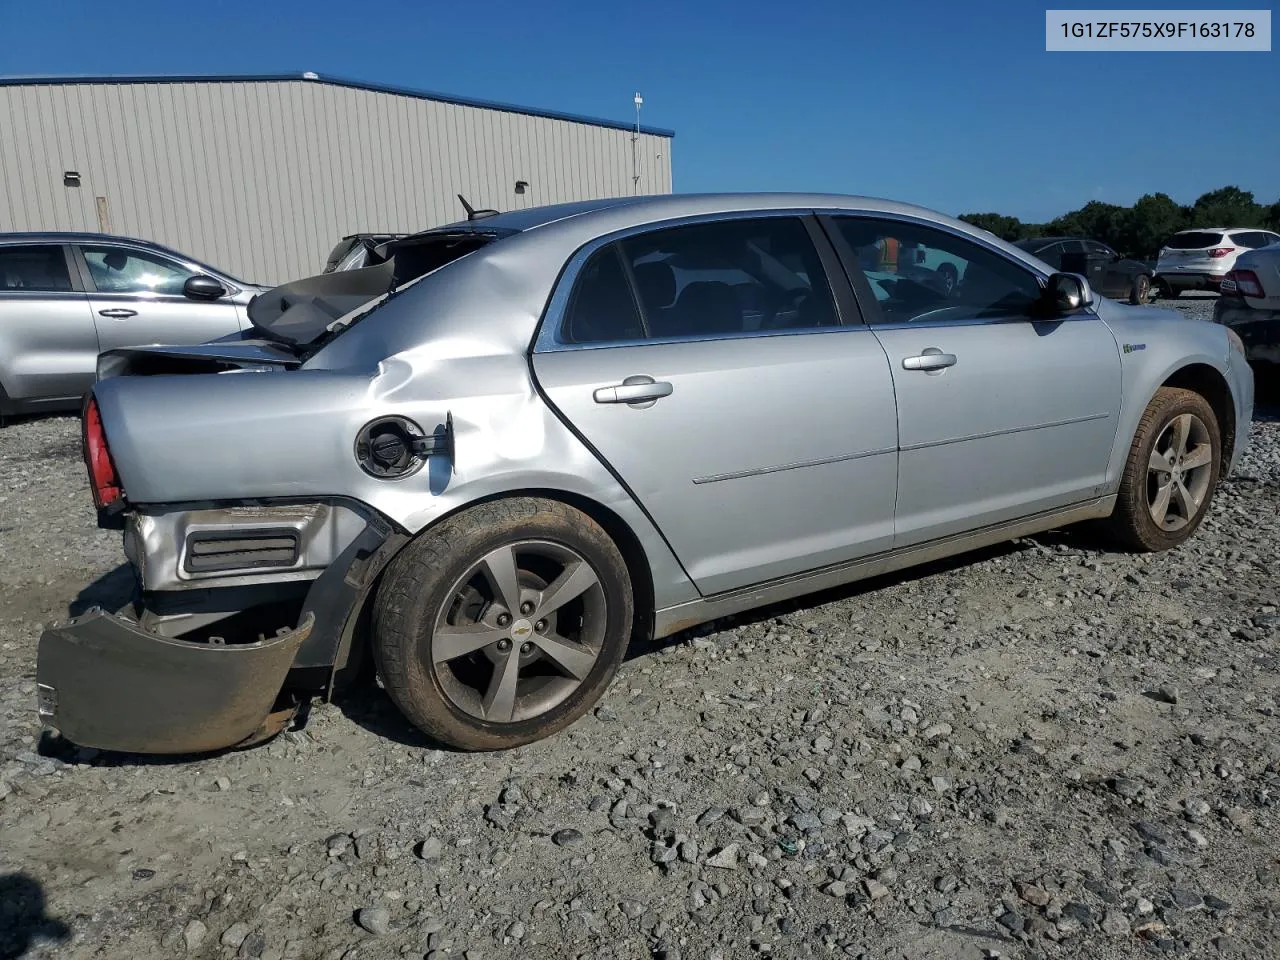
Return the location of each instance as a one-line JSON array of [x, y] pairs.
[[116, 260], [656, 283], [706, 307]]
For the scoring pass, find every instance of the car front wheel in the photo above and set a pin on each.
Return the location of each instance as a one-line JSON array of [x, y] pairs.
[[1171, 474], [504, 624]]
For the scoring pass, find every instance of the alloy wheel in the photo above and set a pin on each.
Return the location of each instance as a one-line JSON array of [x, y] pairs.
[[1179, 472], [519, 632]]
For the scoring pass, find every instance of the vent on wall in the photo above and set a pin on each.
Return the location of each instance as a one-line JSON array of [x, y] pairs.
[[211, 552]]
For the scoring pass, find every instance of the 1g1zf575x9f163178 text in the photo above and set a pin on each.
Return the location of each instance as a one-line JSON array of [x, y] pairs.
[[1167, 28], [1154, 30]]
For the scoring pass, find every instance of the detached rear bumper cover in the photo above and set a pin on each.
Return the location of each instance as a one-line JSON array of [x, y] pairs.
[[105, 682]]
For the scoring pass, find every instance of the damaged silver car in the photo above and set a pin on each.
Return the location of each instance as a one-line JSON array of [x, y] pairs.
[[502, 449]]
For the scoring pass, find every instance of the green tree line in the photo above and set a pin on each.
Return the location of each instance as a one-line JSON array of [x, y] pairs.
[[1139, 231]]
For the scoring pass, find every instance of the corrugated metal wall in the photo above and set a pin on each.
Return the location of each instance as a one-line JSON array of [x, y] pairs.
[[261, 178]]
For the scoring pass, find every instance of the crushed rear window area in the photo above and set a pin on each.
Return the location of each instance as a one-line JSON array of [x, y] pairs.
[[306, 313]]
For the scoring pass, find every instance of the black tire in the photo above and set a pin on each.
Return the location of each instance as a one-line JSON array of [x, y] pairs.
[[427, 580], [1132, 523], [1141, 290]]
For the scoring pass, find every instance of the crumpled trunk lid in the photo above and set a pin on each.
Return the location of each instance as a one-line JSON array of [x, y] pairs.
[[218, 356]]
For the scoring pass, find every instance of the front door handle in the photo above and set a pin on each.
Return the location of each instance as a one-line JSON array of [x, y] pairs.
[[640, 391], [118, 314], [932, 360]]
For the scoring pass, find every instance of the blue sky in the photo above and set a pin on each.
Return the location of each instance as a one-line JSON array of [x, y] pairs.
[[953, 105]]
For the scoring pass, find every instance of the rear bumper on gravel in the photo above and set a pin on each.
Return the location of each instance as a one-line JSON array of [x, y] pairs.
[[103, 681], [164, 683]]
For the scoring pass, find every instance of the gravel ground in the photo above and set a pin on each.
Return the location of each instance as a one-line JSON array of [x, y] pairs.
[[1042, 750]]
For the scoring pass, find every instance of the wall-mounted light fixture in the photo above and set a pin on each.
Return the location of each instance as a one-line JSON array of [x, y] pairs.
[[522, 186], [71, 178]]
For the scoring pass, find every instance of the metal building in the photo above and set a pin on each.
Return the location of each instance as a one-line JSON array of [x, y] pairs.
[[262, 175]]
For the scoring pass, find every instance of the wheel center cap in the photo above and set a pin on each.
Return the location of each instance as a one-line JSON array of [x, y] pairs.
[[521, 629]]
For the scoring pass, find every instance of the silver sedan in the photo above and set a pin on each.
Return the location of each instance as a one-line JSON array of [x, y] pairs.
[[492, 457]]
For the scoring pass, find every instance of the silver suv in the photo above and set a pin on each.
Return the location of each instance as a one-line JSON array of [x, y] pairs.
[[66, 297]]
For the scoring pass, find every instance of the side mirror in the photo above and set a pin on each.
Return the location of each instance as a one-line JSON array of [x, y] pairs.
[[203, 287], [1067, 293]]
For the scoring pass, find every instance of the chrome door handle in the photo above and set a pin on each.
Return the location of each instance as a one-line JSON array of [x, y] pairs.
[[640, 390], [118, 314], [932, 359]]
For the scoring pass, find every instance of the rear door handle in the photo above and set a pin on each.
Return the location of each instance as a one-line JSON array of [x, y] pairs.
[[932, 359], [639, 390], [118, 313]]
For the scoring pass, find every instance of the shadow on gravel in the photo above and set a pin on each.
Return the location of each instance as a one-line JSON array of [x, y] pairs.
[[111, 591], [368, 705], [22, 917]]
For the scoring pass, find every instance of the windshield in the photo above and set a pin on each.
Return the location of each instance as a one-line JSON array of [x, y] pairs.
[[311, 311]]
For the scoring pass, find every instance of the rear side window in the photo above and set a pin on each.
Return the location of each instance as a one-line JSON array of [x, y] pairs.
[[1194, 240], [39, 268], [601, 308], [1253, 239], [726, 278], [730, 277]]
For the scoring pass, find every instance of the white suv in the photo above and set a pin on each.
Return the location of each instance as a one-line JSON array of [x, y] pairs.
[[1199, 259]]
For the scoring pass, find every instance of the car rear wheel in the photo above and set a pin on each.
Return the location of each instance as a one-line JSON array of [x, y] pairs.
[[503, 625], [1141, 291], [1171, 474]]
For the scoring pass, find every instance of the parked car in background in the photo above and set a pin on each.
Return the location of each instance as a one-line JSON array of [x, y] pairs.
[[496, 458], [1109, 273], [349, 244], [1250, 305], [65, 297], [1199, 259]]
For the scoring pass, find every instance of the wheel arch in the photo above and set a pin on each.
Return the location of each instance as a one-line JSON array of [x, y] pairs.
[[1210, 383], [633, 553]]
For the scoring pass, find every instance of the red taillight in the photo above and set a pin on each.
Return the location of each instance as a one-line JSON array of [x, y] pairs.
[[1220, 251], [1247, 283], [102, 472]]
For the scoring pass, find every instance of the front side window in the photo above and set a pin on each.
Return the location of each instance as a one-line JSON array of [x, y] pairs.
[[917, 272], [120, 270], [38, 269], [1099, 251]]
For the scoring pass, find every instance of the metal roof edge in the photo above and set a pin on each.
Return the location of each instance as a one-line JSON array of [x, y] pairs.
[[311, 77]]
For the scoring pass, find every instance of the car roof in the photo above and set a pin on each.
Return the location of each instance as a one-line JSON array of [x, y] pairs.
[[71, 236], [655, 208]]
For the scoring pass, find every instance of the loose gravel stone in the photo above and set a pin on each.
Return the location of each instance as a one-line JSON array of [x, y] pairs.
[[193, 934], [568, 838], [376, 920]]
